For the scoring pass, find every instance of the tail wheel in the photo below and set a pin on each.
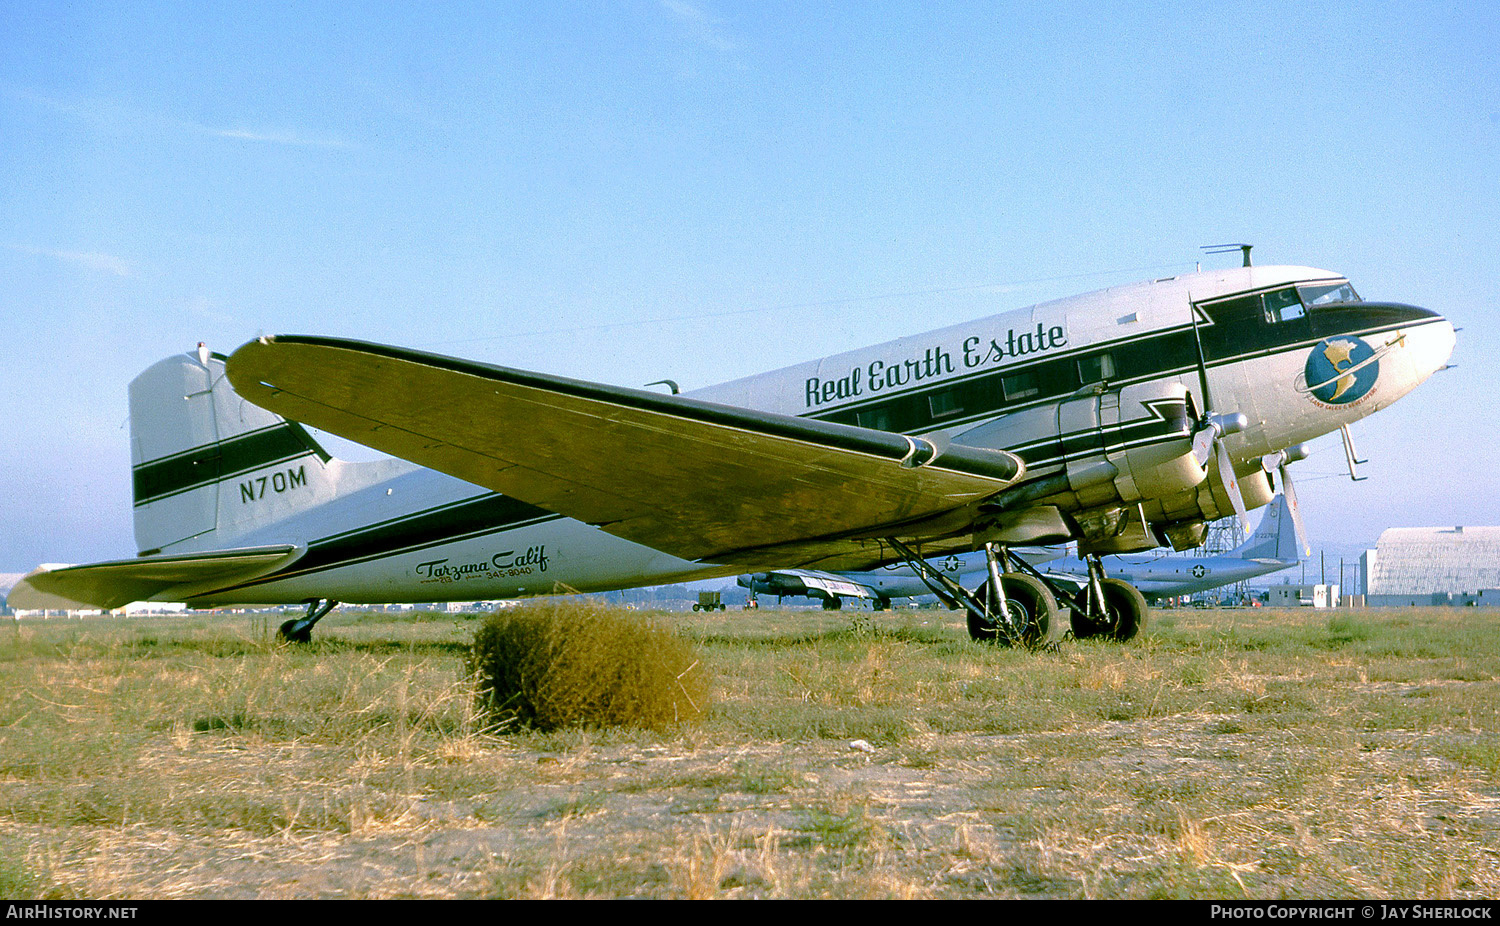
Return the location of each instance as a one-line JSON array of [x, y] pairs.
[[1030, 609], [1124, 613], [291, 633]]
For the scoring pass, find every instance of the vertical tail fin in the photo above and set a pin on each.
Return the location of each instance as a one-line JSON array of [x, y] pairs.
[[209, 467], [1275, 538]]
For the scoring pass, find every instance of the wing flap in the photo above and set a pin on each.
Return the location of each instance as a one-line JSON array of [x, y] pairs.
[[146, 578], [696, 479]]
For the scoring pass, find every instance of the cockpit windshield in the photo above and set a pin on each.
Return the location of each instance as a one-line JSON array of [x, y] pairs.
[[1290, 305], [1315, 294]]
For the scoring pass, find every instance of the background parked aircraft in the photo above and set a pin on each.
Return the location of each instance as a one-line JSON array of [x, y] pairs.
[[1272, 548], [877, 586]]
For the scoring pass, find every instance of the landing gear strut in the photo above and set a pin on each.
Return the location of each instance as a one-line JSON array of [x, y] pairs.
[[1011, 607], [1108, 608], [300, 629]]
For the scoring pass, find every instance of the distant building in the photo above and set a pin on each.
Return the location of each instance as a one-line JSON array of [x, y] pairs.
[[1433, 566], [1302, 596]]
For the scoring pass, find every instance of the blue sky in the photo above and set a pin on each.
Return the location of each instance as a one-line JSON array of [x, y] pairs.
[[627, 191]]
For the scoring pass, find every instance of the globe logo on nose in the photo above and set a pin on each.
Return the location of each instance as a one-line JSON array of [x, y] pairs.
[[1341, 370]]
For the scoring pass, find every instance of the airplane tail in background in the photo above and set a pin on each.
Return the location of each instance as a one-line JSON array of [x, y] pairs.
[[1274, 539], [208, 467]]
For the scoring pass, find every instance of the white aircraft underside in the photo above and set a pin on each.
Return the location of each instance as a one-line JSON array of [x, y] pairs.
[[1074, 420]]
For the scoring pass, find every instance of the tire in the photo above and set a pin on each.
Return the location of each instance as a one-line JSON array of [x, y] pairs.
[[1032, 608], [1125, 613], [291, 634], [833, 603]]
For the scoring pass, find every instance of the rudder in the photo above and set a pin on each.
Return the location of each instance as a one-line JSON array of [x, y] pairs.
[[209, 467], [1275, 537]]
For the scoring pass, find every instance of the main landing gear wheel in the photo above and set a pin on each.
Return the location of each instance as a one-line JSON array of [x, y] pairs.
[[833, 603], [1030, 610], [1124, 612]]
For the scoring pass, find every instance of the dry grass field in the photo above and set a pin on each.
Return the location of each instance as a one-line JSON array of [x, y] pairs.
[[1222, 754]]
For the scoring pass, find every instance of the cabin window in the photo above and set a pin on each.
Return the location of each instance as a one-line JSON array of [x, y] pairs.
[[1325, 293], [876, 418], [1096, 369], [1281, 305], [944, 403], [1019, 386]]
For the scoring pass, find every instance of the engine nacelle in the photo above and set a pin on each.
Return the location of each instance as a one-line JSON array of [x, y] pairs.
[[1209, 501], [1120, 446], [1155, 455]]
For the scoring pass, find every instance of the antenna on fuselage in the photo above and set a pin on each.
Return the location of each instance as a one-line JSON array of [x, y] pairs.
[[1228, 249]]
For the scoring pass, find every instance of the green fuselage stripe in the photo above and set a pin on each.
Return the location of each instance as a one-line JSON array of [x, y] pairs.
[[1230, 337], [210, 463]]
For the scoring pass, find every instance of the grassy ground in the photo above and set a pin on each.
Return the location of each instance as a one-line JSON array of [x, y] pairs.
[[1222, 754]]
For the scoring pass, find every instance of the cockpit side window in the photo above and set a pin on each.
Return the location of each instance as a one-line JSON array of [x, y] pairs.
[[1281, 305]]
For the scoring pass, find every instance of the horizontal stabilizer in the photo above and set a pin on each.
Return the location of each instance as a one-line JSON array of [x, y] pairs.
[[145, 578], [695, 479]]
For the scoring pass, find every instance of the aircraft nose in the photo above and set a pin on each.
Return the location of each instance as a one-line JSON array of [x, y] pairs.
[[1429, 346]]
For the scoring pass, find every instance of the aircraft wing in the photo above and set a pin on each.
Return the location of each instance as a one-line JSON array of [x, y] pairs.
[[830, 583], [695, 479], [145, 578]]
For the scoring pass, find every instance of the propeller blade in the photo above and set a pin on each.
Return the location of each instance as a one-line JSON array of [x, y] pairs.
[[1293, 510], [1232, 486], [1203, 445], [1208, 403]]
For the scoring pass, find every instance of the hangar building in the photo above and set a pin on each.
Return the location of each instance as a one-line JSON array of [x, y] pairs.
[[1433, 565]]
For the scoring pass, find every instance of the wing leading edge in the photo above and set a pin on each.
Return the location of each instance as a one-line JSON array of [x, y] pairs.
[[695, 479]]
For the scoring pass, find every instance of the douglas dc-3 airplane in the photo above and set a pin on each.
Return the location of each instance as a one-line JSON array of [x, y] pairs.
[[1271, 548], [1118, 420]]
